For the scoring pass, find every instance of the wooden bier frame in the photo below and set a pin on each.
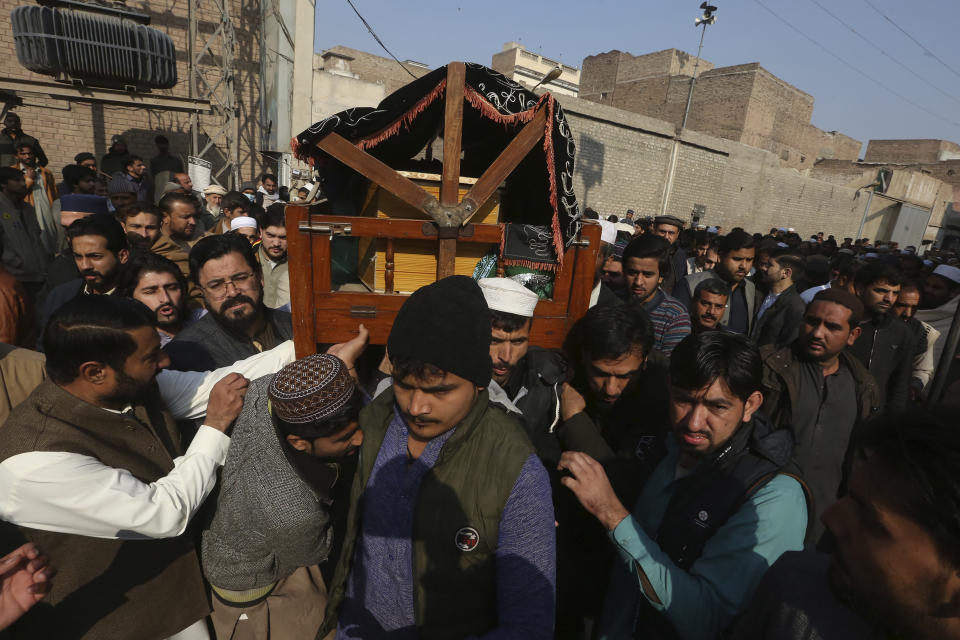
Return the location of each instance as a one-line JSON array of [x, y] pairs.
[[322, 314]]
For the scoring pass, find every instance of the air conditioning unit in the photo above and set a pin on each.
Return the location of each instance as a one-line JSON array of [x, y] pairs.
[[93, 46]]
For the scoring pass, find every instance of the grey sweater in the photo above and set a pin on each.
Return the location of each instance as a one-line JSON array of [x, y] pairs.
[[269, 521]]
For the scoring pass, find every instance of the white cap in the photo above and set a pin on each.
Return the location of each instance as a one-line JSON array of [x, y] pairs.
[[509, 296], [948, 272], [608, 231], [623, 226], [243, 222]]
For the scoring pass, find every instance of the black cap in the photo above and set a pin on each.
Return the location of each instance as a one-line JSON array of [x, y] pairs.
[[446, 324], [675, 221]]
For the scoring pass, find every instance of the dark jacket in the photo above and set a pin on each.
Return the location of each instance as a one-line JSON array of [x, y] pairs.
[[455, 596], [206, 345], [8, 148], [106, 589], [685, 287], [678, 268], [55, 299], [780, 387], [886, 346], [780, 324]]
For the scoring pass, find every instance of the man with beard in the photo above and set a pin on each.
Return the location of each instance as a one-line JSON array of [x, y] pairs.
[[613, 383], [718, 505], [894, 567], [273, 257], [709, 301], [736, 252], [99, 249], [886, 346], [233, 204], [526, 379], [41, 194], [781, 312], [179, 229], [105, 484], [83, 160], [133, 172], [822, 391], [141, 222], [449, 487], [941, 294], [284, 484], [238, 324], [158, 284], [12, 136], [213, 196], [701, 244], [669, 228], [646, 262]]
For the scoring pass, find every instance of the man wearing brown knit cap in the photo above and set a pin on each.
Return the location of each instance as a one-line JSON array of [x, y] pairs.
[[273, 525]]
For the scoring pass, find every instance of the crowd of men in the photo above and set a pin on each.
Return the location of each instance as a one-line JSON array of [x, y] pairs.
[[733, 441]]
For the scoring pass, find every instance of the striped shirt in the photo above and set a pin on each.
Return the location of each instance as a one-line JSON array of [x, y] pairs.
[[670, 321]]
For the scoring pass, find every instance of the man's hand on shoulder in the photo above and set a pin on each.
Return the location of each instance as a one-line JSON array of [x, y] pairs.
[[588, 481], [226, 402]]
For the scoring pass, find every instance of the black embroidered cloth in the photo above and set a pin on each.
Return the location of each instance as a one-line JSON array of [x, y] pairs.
[[538, 192]]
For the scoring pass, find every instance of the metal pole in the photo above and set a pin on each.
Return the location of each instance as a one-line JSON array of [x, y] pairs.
[[863, 219], [693, 80], [946, 358]]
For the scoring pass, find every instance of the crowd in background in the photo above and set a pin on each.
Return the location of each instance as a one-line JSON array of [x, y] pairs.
[[734, 440]]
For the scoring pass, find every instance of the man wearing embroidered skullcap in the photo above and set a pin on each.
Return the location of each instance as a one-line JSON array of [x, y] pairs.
[[451, 526], [938, 304], [280, 489], [526, 378]]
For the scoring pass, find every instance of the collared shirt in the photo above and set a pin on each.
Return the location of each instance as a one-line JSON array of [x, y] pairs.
[[77, 494], [809, 294], [701, 602], [768, 301]]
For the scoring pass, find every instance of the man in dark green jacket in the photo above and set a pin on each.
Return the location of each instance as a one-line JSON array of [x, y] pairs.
[[451, 527], [12, 136]]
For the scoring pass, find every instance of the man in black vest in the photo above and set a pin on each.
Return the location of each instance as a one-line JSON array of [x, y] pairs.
[[238, 324], [716, 509]]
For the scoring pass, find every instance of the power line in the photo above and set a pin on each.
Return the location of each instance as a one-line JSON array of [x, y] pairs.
[[377, 38], [917, 42], [880, 49], [857, 69]]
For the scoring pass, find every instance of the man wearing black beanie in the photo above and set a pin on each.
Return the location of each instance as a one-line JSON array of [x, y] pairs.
[[451, 525]]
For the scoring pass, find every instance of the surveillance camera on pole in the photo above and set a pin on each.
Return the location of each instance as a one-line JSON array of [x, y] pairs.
[[704, 20]]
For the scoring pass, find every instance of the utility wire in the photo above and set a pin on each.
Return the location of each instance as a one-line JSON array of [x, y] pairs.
[[915, 41], [377, 38], [857, 69], [880, 49]]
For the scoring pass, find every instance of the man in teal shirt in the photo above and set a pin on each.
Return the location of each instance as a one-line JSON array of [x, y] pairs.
[[720, 504]]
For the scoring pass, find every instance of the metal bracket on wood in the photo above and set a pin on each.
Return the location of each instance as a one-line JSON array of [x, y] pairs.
[[433, 229], [332, 228]]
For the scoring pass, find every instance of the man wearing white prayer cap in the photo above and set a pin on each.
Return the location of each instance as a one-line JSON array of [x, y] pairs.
[[941, 293], [247, 227], [526, 379], [602, 294]]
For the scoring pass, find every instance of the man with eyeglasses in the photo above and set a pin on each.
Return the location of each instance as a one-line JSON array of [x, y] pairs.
[[238, 324]]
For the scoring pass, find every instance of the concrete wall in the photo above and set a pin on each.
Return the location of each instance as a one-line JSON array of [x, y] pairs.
[[333, 93], [66, 128], [623, 159], [377, 68]]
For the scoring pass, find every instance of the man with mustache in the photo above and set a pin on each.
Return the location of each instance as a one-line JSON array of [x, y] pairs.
[[709, 302], [238, 324], [99, 249], [893, 571], [273, 257], [158, 284], [736, 252], [141, 223], [451, 525], [179, 229], [822, 391], [718, 502], [779, 315], [285, 480], [886, 345]]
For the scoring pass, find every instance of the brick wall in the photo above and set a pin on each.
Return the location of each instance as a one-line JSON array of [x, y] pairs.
[[65, 128], [905, 151], [623, 159]]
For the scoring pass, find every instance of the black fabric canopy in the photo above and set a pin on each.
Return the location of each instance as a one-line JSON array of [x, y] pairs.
[[538, 192]]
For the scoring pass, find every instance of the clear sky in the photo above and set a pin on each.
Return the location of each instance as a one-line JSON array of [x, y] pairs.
[[437, 31]]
